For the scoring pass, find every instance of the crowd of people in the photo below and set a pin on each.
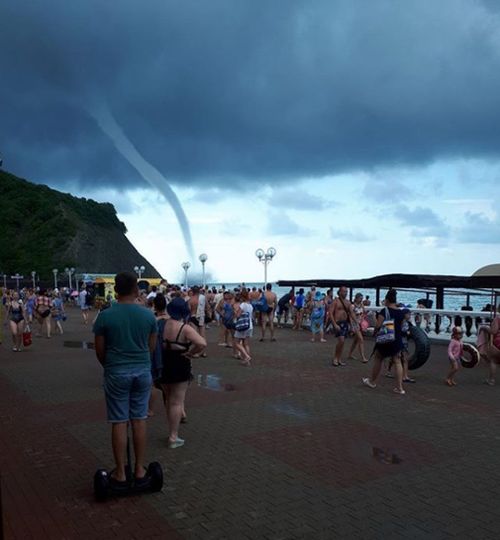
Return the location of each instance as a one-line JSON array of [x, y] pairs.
[[146, 340]]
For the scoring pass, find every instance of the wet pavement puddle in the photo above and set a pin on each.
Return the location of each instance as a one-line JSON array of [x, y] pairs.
[[78, 344], [213, 382], [385, 456], [290, 410]]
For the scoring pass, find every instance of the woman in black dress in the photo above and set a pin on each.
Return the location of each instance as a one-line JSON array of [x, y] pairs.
[[180, 342], [390, 349]]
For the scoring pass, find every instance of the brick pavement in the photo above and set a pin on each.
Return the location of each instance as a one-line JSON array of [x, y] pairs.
[[279, 451]]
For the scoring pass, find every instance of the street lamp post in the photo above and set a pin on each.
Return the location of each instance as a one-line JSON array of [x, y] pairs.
[[265, 258], [185, 266], [139, 270], [17, 277], [33, 277], [69, 272], [55, 271], [203, 259]]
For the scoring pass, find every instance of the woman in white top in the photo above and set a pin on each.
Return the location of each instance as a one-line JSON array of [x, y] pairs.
[[243, 311]]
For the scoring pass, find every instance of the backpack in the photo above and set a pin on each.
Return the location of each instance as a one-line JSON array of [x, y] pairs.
[[261, 304], [387, 332], [242, 322], [157, 354], [89, 299]]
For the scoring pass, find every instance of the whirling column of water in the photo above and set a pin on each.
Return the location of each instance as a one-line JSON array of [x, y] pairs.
[[106, 121]]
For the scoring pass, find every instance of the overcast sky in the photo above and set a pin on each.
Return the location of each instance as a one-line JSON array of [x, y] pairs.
[[357, 137]]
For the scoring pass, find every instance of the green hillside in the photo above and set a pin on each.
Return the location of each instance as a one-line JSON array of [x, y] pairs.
[[42, 229]]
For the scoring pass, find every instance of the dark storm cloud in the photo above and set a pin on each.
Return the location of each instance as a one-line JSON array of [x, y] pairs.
[[422, 221], [383, 190], [237, 92], [299, 199], [281, 224], [478, 229]]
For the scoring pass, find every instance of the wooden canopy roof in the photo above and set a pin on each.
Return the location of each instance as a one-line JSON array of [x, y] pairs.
[[407, 281]]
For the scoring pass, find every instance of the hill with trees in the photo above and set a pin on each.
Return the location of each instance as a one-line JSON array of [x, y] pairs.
[[42, 229]]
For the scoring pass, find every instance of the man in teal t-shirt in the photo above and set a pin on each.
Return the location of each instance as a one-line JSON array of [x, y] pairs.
[[125, 335]]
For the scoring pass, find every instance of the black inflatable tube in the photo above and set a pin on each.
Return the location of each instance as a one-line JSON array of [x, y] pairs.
[[422, 348]]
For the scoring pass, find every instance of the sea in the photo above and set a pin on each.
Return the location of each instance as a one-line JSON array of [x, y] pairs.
[[453, 299]]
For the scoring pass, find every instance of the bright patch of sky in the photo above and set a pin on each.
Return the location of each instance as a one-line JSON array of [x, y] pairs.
[[442, 218]]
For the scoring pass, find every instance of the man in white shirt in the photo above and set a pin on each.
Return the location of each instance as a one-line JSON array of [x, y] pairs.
[[82, 299], [152, 294]]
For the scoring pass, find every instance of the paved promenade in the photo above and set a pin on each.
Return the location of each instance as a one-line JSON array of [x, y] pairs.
[[290, 448]]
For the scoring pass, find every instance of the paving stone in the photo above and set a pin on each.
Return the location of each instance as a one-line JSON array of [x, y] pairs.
[[287, 454]]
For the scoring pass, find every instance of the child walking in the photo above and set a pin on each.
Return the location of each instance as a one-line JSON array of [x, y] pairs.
[[455, 351]]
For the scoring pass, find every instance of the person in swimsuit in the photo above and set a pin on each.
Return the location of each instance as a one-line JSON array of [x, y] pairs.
[[225, 309], [180, 341], [216, 315], [455, 352], [328, 306], [42, 312], [317, 310], [268, 315], [198, 306], [284, 307], [254, 296], [58, 313], [340, 315], [30, 305], [391, 349], [489, 347], [15, 315], [359, 314], [242, 337], [160, 311], [298, 310]]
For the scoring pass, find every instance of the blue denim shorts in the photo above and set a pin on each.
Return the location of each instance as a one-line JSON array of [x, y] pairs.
[[127, 394]]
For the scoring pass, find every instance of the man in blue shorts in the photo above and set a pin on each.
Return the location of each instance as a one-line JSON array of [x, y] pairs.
[[125, 335]]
